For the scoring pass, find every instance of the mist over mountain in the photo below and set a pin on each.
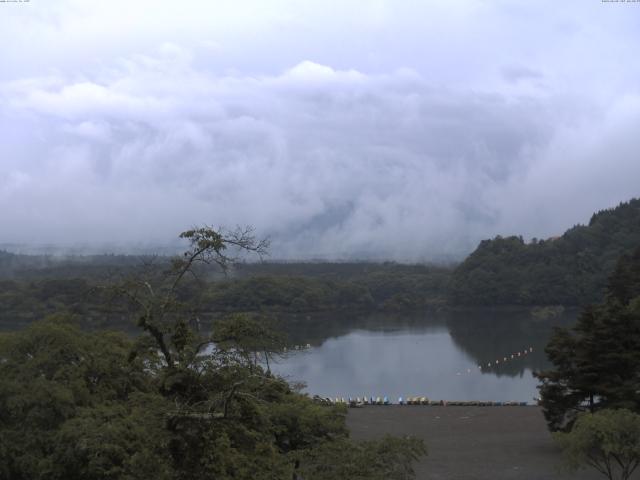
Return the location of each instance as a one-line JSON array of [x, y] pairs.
[[406, 131]]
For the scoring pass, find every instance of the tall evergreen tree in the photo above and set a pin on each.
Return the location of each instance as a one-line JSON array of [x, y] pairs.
[[597, 363]]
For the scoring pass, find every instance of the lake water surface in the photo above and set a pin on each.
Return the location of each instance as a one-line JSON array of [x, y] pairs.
[[423, 355]]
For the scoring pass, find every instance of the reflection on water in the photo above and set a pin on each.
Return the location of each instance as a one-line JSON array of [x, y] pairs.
[[433, 356]]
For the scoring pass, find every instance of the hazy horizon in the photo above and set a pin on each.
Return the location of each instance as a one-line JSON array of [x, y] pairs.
[[405, 130], [177, 246]]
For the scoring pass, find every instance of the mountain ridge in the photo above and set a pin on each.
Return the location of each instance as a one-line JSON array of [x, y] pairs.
[[571, 269]]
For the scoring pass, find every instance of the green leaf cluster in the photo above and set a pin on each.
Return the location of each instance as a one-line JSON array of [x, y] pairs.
[[608, 441], [72, 405]]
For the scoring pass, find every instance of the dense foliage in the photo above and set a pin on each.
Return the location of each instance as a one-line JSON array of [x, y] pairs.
[[597, 362], [172, 403], [608, 441], [568, 270], [95, 405], [28, 293], [386, 287], [73, 405]]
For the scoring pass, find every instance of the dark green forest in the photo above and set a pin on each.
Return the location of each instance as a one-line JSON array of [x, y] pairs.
[[596, 363], [31, 288], [171, 402], [568, 270], [79, 403], [311, 287]]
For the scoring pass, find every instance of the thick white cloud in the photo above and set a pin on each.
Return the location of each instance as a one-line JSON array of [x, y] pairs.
[[410, 133]]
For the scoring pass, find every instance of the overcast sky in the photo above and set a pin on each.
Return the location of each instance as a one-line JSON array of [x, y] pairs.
[[392, 129]]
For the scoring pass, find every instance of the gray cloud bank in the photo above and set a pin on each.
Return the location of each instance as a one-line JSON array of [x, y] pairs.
[[331, 162]]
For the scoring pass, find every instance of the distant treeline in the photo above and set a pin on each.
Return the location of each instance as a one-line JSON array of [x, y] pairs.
[[567, 270], [317, 287], [90, 267], [25, 298]]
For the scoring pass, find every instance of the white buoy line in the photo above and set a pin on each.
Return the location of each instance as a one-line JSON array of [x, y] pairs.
[[504, 359], [422, 400]]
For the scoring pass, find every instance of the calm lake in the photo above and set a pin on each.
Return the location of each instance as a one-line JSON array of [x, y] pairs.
[[432, 355], [438, 356]]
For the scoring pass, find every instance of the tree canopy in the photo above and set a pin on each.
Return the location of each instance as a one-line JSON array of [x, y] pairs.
[[172, 403], [597, 362], [608, 441], [571, 269]]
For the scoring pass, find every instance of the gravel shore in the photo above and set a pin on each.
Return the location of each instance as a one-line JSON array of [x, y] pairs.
[[466, 443]]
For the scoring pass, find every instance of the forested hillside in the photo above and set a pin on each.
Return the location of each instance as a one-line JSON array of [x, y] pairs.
[[33, 287], [304, 287], [568, 270]]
